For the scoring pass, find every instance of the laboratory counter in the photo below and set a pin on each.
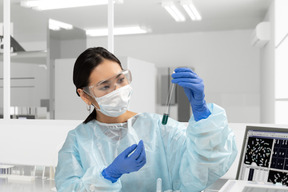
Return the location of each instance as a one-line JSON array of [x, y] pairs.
[[45, 185], [36, 185]]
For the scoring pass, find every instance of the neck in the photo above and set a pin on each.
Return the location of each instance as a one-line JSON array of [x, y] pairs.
[[120, 119]]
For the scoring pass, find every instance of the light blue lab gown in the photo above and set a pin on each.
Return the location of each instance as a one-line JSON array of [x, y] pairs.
[[185, 158]]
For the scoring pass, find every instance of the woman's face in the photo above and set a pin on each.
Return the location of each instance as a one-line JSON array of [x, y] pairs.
[[104, 72]]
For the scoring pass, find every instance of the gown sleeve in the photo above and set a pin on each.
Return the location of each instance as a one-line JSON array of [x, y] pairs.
[[71, 176], [201, 153]]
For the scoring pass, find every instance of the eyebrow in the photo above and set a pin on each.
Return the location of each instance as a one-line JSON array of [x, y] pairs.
[[107, 80]]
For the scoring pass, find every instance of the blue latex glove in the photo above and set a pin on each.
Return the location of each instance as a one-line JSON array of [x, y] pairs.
[[194, 90], [126, 162]]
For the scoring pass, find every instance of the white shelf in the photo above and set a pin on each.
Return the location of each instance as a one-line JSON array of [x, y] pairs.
[[28, 57]]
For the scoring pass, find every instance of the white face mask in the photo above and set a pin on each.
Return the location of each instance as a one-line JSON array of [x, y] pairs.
[[115, 103]]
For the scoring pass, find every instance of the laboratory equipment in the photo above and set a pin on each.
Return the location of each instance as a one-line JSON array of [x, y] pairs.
[[263, 155], [251, 186], [159, 185], [166, 115]]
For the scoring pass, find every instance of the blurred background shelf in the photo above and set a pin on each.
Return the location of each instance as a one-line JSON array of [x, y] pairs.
[[29, 57]]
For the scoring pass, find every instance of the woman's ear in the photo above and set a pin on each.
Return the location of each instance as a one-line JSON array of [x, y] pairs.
[[84, 96]]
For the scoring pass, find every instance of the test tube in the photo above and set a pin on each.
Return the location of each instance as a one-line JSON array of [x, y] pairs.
[[159, 185], [166, 115]]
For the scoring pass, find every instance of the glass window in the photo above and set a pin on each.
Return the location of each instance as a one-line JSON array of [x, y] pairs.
[[28, 62], [38, 45]]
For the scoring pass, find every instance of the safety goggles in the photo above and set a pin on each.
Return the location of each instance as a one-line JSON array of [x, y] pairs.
[[106, 86]]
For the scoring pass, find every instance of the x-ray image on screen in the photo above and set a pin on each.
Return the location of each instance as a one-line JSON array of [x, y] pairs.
[[258, 151]]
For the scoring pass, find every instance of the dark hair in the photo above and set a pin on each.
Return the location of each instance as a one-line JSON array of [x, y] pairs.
[[85, 64]]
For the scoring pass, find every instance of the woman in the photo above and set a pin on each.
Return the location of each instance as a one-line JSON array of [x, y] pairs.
[[118, 150]]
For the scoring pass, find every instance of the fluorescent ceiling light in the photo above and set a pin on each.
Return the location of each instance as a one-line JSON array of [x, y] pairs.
[[61, 4], [191, 10], [117, 31], [57, 25], [173, 11]]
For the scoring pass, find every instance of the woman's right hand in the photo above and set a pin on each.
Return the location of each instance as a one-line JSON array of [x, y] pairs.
[[126, 162]]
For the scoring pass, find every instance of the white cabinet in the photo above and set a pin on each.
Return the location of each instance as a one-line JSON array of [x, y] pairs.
[[143, 83]]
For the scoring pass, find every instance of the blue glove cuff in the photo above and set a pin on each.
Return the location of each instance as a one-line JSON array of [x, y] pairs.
[[200, 112], [106, 176]]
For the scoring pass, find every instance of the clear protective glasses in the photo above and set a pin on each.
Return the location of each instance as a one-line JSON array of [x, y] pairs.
[[107, 86]]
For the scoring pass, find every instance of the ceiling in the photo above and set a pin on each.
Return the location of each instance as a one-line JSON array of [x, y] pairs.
[[216, 15]]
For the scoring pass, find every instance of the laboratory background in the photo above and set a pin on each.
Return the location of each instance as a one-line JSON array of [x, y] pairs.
[[238, 47]]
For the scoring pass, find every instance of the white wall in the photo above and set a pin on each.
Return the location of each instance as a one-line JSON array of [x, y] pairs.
[[228, 64]]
